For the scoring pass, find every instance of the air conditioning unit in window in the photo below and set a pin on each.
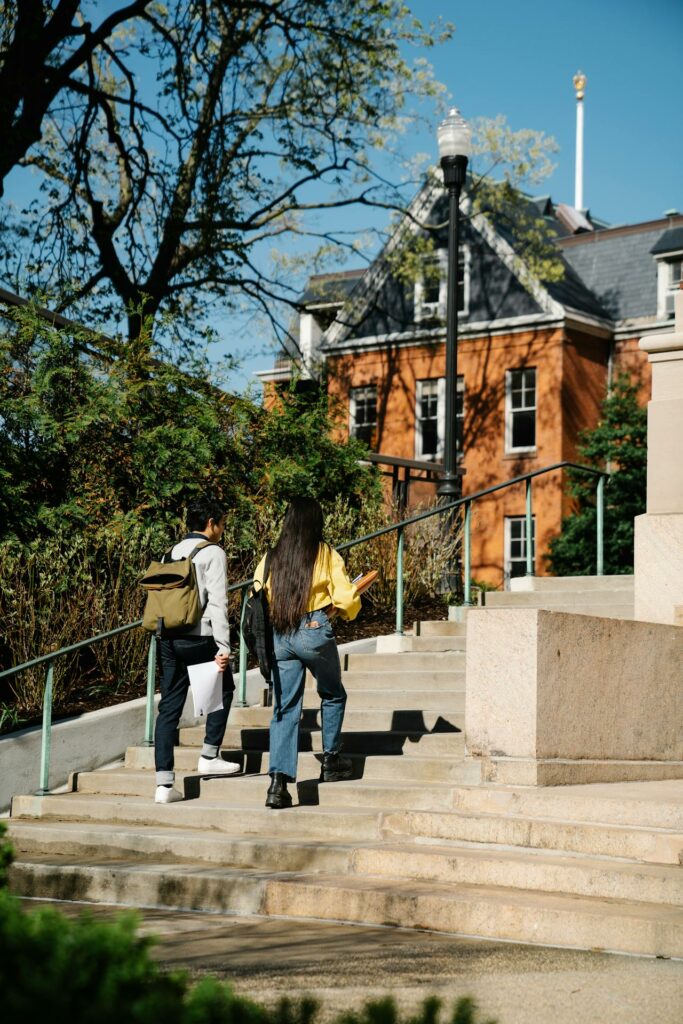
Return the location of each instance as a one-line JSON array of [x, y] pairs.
[[669, 310]]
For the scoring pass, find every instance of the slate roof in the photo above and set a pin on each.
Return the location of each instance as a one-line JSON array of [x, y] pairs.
[[573, 293], [610, 273], [618, 267]]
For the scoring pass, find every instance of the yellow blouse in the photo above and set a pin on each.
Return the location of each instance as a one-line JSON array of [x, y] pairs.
[[330, 584]]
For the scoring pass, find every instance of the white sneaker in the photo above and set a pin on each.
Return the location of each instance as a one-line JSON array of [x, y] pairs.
[[164, 795], [216, 766]]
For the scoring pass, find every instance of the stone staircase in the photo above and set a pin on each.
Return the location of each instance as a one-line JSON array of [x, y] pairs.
[[604, 596], [413, 840]]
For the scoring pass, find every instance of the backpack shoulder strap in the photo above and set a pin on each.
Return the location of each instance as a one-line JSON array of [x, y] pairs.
[[168, 555], [266, 572], [200, 547]]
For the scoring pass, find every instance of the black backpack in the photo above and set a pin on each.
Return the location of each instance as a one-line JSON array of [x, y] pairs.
[[257, 630]]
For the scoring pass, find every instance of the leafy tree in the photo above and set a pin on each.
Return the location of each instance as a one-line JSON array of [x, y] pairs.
[[44, 47], [617, 444], [182, 147], [92, 444], [301, 457]]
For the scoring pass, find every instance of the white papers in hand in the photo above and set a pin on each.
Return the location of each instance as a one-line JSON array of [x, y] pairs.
[[206, 681]]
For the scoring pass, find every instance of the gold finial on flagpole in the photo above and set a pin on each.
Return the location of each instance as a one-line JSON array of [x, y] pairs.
[[579, 84]]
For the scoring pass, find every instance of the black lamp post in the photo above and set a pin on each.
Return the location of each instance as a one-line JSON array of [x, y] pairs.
[[455, 142]]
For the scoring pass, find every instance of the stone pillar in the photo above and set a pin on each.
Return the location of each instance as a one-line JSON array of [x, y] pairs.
[[658, 554]]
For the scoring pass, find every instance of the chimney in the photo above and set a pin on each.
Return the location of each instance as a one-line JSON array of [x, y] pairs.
[[579, 86]]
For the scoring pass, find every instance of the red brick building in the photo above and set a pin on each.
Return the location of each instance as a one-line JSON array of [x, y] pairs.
[[534, 359]]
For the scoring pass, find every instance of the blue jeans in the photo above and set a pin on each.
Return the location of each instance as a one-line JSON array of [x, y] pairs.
[[175, 656], [312, 646]]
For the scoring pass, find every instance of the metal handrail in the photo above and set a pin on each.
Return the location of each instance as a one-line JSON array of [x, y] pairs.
[[244, 585]]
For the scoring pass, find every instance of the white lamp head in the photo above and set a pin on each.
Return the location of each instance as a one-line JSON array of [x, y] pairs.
[[454, 135]]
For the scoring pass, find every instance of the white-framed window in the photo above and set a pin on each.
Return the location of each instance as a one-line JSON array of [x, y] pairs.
[[515, 546], [520, 410], [431, 289], [669, 277], [363, 414], [430, 417]]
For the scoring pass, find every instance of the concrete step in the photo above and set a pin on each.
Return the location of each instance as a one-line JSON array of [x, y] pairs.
[[249, 790], [452, 864], [220, 816], [543, 584], [408, 719], [357, 715], [442, 700], [572, 599], [438, 628], [392, 680], [444, 661], [656, 804], [488, 912], [660, 846], [430, 644], [406, 739], [81, 841], [416, 768], [653, 845], [545, 919]]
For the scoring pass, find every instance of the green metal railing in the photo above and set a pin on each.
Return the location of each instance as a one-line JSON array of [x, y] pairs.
[[243, 586]]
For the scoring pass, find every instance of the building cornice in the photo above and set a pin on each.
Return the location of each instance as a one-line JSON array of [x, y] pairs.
[[275, 375], [640, 326], [436, 336], [605, 234]]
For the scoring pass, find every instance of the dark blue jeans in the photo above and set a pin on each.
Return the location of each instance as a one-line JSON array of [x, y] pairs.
[[175, 656]]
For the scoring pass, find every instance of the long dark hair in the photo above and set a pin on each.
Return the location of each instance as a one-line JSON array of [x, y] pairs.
[[292, 562]]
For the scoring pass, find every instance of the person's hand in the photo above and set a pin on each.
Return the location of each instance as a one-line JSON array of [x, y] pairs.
[[222, 660]]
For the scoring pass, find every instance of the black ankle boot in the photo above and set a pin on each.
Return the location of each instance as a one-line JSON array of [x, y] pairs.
[[278, 794], [336, 768]]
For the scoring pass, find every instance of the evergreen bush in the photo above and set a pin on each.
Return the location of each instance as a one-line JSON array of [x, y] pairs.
[[618, 445]]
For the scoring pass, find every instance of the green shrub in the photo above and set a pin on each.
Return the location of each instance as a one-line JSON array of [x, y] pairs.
[[88, 971], [6, 856], [617, 444]]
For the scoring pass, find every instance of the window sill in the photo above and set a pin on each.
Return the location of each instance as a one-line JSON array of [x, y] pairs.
[[520, 453]]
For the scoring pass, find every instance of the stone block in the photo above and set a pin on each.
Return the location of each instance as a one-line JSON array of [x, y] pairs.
[[658, 554], [548, 687]]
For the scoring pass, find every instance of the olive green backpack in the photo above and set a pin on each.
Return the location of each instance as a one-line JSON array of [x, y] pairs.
[[172, 593]]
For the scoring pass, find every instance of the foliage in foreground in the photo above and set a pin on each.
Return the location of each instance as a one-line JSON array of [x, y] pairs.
[[87, 971], [90, 443], [617, 444], [99, 457]]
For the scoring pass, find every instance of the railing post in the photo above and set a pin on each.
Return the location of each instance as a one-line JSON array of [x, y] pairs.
[[399, 582], [151, 686], [46, 739], [467, 596], [242, 692], [528, 531], [600, 503]]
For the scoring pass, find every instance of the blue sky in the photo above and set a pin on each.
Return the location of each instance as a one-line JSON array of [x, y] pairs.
[[518, 59]]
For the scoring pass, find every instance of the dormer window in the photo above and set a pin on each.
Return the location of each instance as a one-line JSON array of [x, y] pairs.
[[431, 289], [672, 273], [668, 252]]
